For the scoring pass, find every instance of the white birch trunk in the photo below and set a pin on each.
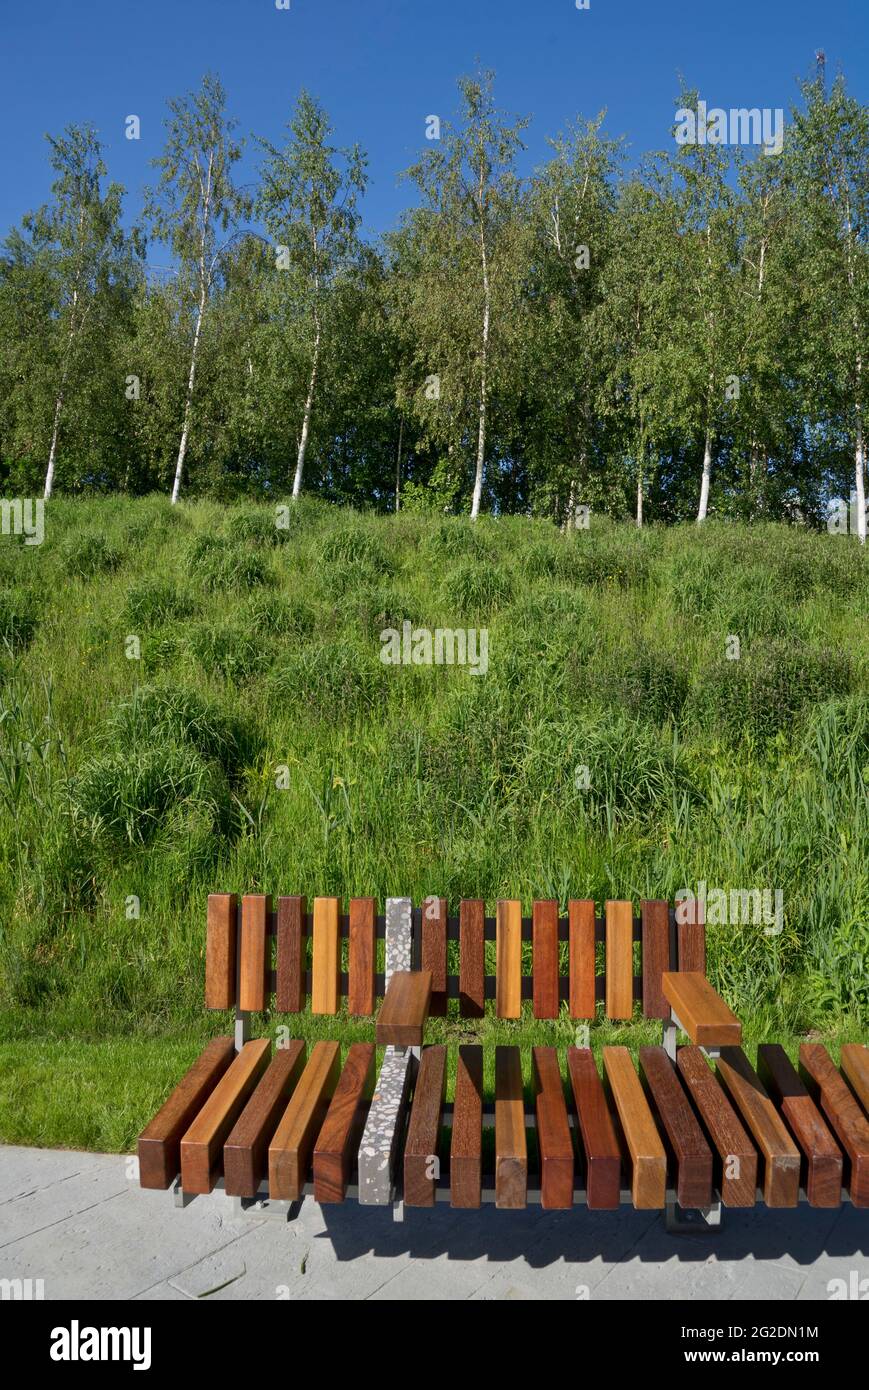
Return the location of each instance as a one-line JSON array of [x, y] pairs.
[[306, 422], [481, 435], [707, 474], [188, 400], [52, 453], [859, 484], [640, 496]]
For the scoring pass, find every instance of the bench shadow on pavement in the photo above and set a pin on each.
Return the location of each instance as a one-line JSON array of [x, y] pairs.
[[542, 1238]]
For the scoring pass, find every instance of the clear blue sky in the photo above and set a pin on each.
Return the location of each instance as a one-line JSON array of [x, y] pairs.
[[382, 66]]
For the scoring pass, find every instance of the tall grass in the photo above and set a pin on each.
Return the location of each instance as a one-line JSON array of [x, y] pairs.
[[192, 699]]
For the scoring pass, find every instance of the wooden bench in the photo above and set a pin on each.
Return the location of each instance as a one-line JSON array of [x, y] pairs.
[[671, 1134]]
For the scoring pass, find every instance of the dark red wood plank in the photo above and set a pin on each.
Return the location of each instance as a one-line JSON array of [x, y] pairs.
[[688, 1147], [656, 956], [421, 1151], [245, 1153], [362, 960], [434, 952], [290, 993], [544, 958], [159, 1145], [466, 1141], [580, 912], [599, 1145], [338, 1141], [553, 1131], [472, 985], [822, 1157]]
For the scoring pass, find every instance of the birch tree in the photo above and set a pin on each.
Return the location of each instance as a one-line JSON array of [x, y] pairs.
[[464, 245], [195, 209], [831, 152], [86, 262], [309, 201]]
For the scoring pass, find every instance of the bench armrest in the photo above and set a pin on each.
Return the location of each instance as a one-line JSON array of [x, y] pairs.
[[404, 1010], [700, 1012]]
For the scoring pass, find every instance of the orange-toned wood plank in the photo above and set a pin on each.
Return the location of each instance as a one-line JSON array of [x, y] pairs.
[[472, 985], [779, 1155], [293, 1141], [401, 1021], [644, 1149], [434, 951], [220, 951], [848, 1122], [511, 1152], [508, 955], [202, 1143], [362, 959], [553, 1131], [326, 959], [854, 1061], [245, 1153], [821, 1168], [544, 958], [580, 912], [159, 1146], [290, 992], [701, 1012], [255, 908], [656, 956], [619, 960], [338, 1140]]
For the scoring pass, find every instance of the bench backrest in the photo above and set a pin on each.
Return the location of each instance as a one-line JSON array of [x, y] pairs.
[[255, 951]]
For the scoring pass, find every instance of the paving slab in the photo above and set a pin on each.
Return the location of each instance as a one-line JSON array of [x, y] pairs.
[[77, 1222]]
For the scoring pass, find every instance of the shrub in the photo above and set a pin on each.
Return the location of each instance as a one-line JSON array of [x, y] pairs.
[[257, 527], [230, 651], [276, 616], [352, 545], [765, 689], [474, 588]]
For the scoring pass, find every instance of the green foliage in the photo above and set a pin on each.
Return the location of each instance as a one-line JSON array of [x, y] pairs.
[[87, 555], [226, 565]]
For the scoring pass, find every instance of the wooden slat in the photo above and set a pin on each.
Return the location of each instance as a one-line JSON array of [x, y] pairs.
[[290, 992], [202, 1143], [691, 1153], [619, 960], [466, 1142], [600, 1147], [656, 956], [362, 958], [544, 958], [691, 937], [220, 951], [245, 1153], [854, 1061], [384, 1128], [644, 1149], [292, 1143], [846, 1118], [338, 1140], [421, 1151], [735, 1168], [434, 952], [701, 1012], [508, 968], [511, 1153], [159, 1146], [471, 958], [553, 1131], [580, 913], [401, 1021], [326, 959], [252, 987], [821, 1169], [779, 1155]]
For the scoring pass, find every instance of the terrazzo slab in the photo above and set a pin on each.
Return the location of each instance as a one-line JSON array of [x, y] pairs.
[[399, 935], [378, 1152]]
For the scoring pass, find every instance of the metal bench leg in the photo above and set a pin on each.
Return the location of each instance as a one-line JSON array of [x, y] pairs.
[[680, 1221]]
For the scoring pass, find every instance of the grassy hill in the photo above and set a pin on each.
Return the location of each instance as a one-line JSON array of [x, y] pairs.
[[156, 777]]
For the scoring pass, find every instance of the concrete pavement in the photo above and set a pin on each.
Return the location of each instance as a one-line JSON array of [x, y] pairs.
[[80, 1223]]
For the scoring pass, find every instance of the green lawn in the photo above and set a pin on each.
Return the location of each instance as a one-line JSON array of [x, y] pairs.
[[191, 701]]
